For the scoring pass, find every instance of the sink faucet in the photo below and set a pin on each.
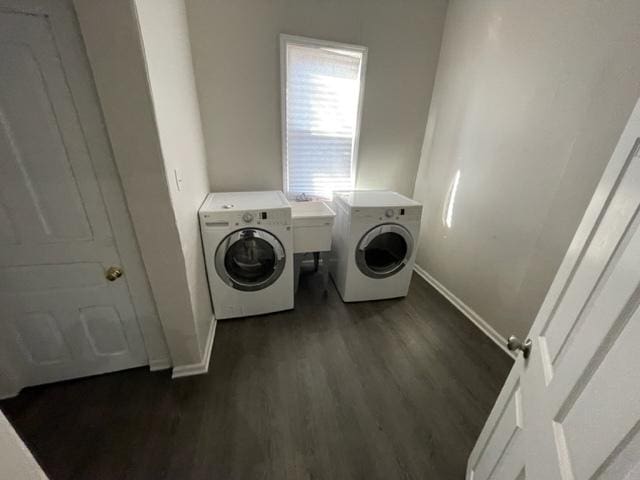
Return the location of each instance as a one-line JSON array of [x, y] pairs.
[[303, 197]]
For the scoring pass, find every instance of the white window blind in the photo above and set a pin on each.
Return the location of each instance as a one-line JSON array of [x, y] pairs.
[[322, 86]]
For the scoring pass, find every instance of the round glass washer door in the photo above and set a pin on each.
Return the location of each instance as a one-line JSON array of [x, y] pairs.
[[384, 250], [250, 259]]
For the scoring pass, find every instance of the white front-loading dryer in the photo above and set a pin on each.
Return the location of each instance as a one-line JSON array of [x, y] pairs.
[[374, 244], [248, 246]]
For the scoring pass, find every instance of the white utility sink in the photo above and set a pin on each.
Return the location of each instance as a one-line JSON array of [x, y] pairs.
[[312, 224]]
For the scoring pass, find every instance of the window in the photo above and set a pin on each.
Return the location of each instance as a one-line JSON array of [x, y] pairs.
[[322, 84]]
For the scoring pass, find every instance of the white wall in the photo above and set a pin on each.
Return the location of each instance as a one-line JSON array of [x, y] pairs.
[[235, 50], [165, 38], [529, 101], [112, 38], [16, 461]]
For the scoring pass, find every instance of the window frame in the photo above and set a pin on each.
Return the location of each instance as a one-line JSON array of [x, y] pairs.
[[285, 40]]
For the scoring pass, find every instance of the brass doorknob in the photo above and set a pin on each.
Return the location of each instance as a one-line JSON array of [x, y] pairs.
[[515, 344], [113, 273]]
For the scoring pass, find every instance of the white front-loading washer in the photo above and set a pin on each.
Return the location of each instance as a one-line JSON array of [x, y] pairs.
[[248, 245], [375, 235]]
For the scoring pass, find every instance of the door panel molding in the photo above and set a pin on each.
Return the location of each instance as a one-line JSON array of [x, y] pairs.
[[507, 428]]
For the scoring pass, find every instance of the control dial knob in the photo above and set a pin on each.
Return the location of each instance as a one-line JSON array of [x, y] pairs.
[[389, 213], [247, 217]]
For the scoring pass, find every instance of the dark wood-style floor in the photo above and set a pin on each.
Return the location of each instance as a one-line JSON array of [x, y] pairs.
[[388, 389]]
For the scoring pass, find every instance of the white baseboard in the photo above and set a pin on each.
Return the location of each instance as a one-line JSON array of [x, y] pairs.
[[11, 383], [466, 310], [11, 394], [202, 366], [159, 364]]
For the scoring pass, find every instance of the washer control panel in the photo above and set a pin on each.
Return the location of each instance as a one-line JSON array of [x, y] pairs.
[[254, 218], [263, 218]]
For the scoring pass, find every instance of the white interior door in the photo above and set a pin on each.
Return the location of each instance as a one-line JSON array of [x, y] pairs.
[[571, 410], [60, 316]]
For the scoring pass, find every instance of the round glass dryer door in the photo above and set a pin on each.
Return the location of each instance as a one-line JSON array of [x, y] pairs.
[[384, 250], [250, 259]]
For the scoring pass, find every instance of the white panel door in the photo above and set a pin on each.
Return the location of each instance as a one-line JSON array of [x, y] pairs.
[[59, 315], [571, 411]]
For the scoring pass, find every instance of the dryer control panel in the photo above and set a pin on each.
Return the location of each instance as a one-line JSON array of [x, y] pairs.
[[395, 214]]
